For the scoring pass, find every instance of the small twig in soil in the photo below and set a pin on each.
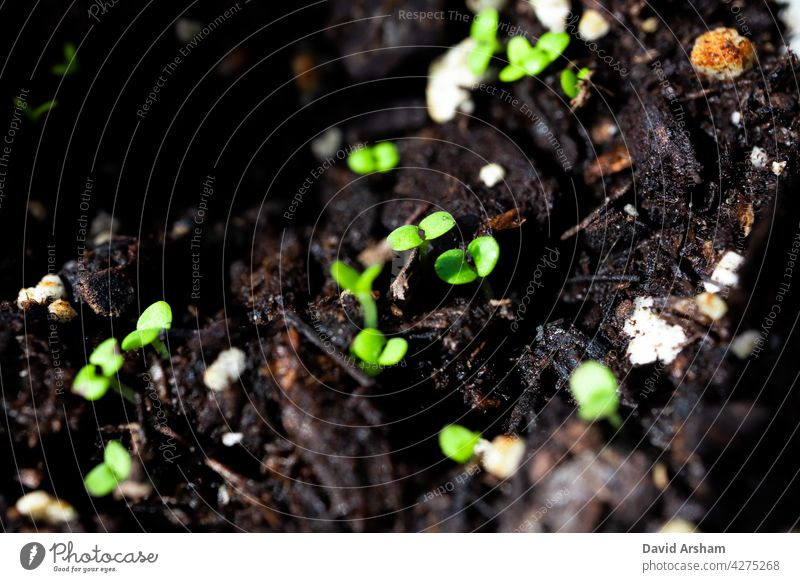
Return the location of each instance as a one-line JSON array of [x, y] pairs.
[[604, 279], [595, 213], [308, 332]]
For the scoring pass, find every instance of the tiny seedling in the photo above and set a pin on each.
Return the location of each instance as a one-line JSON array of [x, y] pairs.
[[373, 349], [454, 266], [70, 64], [412, 236], [105, 477], [571, 82], [360, 285], [380, 158], [458, 442], [152, 320], [484, 32], [93, 385], [108, 356], [35, 113], [594, 387], [530, 60], [89, 384]]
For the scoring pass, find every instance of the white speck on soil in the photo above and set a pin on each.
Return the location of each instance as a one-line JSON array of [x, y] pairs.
[[552, 13], [743, 344], [652, 338], [724, 274], [712, 305], [592, 25], [758, 157], [48, 289], [230, 439], [449, 82], [225, 369], [492, 174]]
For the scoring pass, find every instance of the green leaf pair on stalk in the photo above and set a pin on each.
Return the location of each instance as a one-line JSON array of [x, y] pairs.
[[530, 60], [484, 32], [455, 266], [370, 345], [115, 468], [94, 379]]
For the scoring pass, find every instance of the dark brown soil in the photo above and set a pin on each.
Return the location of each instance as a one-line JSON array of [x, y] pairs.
[[708, 438]]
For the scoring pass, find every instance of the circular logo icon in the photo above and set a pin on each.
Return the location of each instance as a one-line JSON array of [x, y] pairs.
[[31, 555]]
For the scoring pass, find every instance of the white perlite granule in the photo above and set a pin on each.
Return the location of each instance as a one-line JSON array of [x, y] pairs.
[[724, 274], [791, 17], [225, 369], [41, 506], [48, 289], [758, 157], [478, 5], [449, 82], [592, 25], [230, 439], [652, 338], [552, 13], [492, 174], [61, 311], [743, 344], [501, 457]]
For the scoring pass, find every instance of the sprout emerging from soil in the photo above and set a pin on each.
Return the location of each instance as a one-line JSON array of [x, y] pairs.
[[360, 285], [105, 477], [372, 348], [594, 387], [454, 266], [412, 236], [152, 320], [571, 81], [108, 359], [380, 158], [484, 32], [35, 113], [89, 384], [532, 60], [370, 345], [70, 64], [458, 442]]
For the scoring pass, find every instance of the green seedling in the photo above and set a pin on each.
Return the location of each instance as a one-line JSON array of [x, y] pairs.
[[70, 64], [360, 285], [380, 158], [571, 82], [412, 236], [530, 60], [484, 32], [115, 468], [92, 385], [108, 357], [375, 352], [89, 384], [155, 318], [458, 442], [454, 266], [594, 387], [35, 113]]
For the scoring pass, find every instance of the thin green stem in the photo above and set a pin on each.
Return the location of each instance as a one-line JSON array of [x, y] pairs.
[[125, 391], [159, 346], [615, 420], [369, 308]]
